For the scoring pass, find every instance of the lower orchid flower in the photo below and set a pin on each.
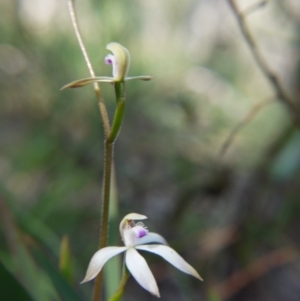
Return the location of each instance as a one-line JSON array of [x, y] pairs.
[[135, 237]]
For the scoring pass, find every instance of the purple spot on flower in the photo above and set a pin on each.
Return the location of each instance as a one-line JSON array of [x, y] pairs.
[[108, 59], [140, 231]]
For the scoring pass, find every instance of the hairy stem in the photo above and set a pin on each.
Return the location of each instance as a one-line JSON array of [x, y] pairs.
[[97, 89], [105, 213], [109, 148], [108, 156]]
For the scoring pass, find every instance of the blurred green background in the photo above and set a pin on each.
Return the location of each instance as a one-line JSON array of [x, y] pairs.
[[234, 217]]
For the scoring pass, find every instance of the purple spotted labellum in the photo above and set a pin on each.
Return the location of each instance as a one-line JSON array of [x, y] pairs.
[[109, 59]]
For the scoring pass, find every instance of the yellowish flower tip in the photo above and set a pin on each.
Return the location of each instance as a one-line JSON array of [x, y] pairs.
[[120, 59]]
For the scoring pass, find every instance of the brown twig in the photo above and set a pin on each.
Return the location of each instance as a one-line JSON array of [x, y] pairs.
[[280, 93], [255, 270], [239, 126]]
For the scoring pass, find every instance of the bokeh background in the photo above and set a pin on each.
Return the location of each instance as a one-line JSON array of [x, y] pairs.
[[234, 215]]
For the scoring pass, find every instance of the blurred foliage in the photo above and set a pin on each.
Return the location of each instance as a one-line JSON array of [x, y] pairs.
[[221, 214]]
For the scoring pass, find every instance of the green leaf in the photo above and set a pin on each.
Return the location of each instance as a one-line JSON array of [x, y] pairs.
[[63, 288], [65, 260], [11, 287]]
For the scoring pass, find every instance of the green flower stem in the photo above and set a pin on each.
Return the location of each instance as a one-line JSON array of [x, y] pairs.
[[120, 91], [119, 113], [105, 213], [119, 293], [109, 147], [117, 122]]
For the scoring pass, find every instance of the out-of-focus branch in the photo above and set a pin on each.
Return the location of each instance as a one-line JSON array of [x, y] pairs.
[[239, 126], [252, 8], [255, 270], [280, 93]]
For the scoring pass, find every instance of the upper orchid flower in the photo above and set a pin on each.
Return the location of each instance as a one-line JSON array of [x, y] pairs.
[[120, 61], [135, 236]]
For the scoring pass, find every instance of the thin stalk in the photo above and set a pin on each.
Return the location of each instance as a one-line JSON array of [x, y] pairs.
[[108, 156], [102, 107], [109, 148], [105, 213]]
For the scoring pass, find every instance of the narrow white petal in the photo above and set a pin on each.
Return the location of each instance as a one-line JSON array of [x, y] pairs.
[[139, 269], [99, 259], [172, 257], [149, 238]]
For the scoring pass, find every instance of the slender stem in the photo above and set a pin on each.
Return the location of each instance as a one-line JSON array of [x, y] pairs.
[[117, 122], [120, 91], [109, 148], [106, 193], [264, 67], [105, 213], [102, 107], [119, 113], [110, 137], [108, 157]]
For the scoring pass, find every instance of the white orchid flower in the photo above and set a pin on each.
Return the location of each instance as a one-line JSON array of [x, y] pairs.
[[135, 237], [120, 61]]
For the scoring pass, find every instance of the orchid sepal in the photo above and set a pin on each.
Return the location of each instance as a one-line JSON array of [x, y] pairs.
[[140, 77], [104, 79], [99, 259], [172, 257], [89, 80], [141, 272]]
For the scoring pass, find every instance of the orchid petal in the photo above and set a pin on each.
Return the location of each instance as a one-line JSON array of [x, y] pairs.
[[130, 216], [86, 81], [149, 238], [172, 257], [129, 237], [139, 269], [121, 62], [134, 216], [141, 77], [99, 259]]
